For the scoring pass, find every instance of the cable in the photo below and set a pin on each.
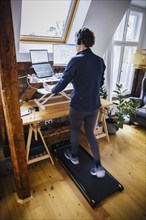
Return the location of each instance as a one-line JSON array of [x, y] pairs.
[[30, 85], [21, 77]]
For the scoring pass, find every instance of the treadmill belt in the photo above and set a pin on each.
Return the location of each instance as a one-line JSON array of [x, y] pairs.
[[93, 188]]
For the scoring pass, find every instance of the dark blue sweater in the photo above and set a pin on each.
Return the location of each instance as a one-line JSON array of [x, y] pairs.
[[86, 72]]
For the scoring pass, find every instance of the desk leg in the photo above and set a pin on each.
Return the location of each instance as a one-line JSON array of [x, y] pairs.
[[36, 129], [101, 131], [105, 128], [45, 145], [28, 142]]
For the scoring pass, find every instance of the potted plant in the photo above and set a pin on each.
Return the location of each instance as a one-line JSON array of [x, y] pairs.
[[103, 92], [122, 108]]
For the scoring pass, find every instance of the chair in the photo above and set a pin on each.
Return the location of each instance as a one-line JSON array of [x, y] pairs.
[[140, 116]]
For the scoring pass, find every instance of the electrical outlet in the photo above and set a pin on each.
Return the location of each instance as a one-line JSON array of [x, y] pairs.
[[49, 122]]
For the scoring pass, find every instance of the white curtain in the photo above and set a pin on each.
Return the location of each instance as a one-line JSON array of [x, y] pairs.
[[108, 58]]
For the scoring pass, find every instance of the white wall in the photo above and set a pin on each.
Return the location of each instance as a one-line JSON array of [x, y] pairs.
[[103, 19], [16, 17]]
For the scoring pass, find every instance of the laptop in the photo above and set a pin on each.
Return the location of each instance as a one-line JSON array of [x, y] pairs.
[[40, 63]]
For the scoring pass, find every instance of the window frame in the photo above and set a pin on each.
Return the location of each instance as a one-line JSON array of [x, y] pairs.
[[124, 43], [43, 39]]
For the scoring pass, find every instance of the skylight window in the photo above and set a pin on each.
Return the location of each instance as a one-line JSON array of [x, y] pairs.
[[43, 21]]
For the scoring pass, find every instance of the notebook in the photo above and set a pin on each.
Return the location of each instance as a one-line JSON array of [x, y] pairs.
[[40, 63]]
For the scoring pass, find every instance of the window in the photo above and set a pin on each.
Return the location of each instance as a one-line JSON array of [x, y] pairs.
[[134, 26], [46, 21], [126, 41]]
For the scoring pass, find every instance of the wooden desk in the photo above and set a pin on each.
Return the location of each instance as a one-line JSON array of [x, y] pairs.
[[52, 112]]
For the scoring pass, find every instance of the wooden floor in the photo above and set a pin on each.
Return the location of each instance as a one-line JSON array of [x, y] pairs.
[[55, 196]]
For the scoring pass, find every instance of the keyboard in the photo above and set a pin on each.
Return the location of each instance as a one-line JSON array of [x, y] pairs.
[[48, 79], [58, 75], [55, 78]]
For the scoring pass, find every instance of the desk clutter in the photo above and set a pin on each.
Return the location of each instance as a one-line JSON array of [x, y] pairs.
[[52, 131], [37, 145], [55, 127], [56, 131]]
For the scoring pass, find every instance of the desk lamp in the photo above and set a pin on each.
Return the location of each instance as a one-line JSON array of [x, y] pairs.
[[139, 59]]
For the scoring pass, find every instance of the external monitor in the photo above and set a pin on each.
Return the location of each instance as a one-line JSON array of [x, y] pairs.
[[62, 53], [39, 56]]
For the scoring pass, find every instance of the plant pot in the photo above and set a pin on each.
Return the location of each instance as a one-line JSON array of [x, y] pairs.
[[111, 126]]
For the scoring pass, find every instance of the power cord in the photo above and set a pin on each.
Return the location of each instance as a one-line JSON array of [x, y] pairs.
[[21, 77], [30, 85]]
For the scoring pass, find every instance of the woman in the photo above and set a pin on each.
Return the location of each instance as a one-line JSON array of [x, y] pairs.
[[86, 72]]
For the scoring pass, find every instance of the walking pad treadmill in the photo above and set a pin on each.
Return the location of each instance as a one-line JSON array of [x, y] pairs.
[[93, 188]]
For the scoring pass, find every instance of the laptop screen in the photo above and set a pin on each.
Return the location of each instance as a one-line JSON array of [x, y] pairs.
[[39, 56]]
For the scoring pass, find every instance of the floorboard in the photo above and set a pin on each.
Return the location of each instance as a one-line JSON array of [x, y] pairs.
[[55, 196]]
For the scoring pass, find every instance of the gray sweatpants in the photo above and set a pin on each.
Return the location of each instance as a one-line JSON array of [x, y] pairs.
[[89, 119]]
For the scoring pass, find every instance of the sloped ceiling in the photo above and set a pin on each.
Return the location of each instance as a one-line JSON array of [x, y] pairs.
[[103, 18]]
